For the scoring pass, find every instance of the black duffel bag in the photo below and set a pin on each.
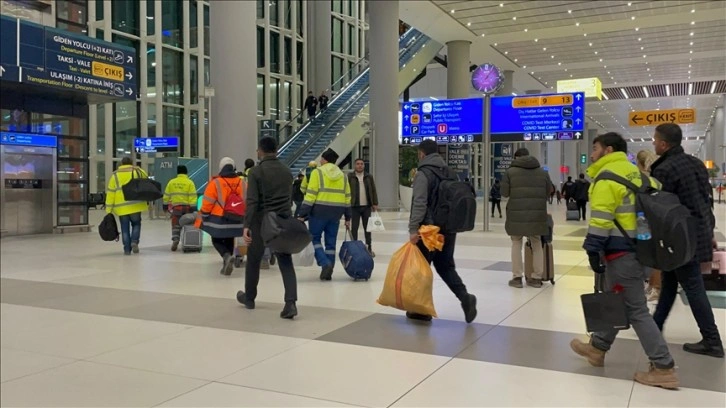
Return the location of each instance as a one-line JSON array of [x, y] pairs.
[[286, 235], [141, 189], [108, 229]]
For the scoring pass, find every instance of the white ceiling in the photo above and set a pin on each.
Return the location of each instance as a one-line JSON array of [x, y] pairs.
[[550, 41]]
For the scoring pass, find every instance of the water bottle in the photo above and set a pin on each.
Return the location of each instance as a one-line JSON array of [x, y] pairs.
[[643, 230]]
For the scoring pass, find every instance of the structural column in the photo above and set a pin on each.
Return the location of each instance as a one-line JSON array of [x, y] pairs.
[[234, 78], [718, 137], [384, 99], [319, 43], [457, 69]]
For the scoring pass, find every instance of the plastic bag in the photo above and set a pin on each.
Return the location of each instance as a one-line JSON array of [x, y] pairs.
[[409, 282], [305, 258], [375, 223], [432, 240]]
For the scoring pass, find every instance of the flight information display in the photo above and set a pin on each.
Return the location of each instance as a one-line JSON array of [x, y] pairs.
[[445, 121], [548, 117]]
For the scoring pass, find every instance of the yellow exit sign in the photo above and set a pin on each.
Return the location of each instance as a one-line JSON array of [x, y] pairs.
[[657, 117], [107, 71], [592, 87]]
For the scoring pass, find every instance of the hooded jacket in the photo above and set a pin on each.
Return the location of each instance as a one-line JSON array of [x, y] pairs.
[[420, 211], [528, 187], [328, 194], [210, 217]]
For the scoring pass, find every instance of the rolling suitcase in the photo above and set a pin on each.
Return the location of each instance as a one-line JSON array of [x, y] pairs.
[[191, 239], [356, 259], [548, 273], [573, 213]]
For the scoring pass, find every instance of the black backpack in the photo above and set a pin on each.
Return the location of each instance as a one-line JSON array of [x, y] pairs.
[[672, 227], [107, 229], [451, 202]]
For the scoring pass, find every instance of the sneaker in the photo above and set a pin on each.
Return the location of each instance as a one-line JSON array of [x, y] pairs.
[[653, 295], [289, 311], [418, 316], [135, 247], [227, 265], [174, 246], [327, 273], [535, 283], [703, 348], [265, 264], [469, 306], [370, 251], [242, 299], [658, 377], [516, 283], [594, 356]]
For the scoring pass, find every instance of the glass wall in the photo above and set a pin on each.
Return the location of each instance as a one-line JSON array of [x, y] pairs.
[[348, 39]]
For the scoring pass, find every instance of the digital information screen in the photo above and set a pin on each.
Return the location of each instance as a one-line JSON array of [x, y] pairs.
[[445, 121], [39, 55], [156, 144], [547, 117], [28, 139]]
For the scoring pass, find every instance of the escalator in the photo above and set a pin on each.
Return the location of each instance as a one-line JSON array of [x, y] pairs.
[[344, 123]]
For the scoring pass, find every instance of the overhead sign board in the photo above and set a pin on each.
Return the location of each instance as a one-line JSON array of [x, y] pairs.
[[657, 117], [548, 117], [28, 139], [445, 121], [46, 56], [592, 87], [156, 144]]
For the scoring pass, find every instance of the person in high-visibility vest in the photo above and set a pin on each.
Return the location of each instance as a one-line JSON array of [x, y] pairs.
[[128, 211], [180, 196]]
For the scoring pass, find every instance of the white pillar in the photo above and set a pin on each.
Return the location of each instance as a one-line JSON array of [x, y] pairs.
[[319, 43], [457, 70], [384, 99], [234, 78], [718, 136]]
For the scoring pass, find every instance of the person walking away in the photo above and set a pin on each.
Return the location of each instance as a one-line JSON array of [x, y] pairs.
[[224, 194], [612, 254], [127, 211], [312, 165], [180, 196], [311, 104], [432, 167], [527, 186], [364, 199], [267, 256], [495, 196], [327, 199], [686, 176], [581, 192], [268, 190], [297, 194], [323, 101], [644, 159], [568, 189]]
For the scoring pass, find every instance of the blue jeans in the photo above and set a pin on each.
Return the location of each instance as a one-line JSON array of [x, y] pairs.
[[691, 280], [130, 229], [329, 227]]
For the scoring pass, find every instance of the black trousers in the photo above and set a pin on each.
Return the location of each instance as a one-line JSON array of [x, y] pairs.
[[582, 208], [496, 204], [359, 212], [252, 268], [445, 266], [223, 246]]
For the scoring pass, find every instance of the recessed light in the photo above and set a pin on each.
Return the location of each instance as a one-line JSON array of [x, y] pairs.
[[559, 63], [535, 40], [544, 49], [453, 11], [531, 73], [693, 10], [642, 48], [569, 11], [585, 34], [483, 35], [632, 18], [506, 52], [600, 59], [515, 60], [590, 44], [524, 66], [689, 65], [514, 18], [552, 56], [693, 23], [689, 72], [691, 34], [630, 4], [691, 52], [577, 24], [645, 56], [637, 28], [691, 42], [495, 44], [468, 24], [648, 69], [565, 69], [570, 75], [525, 30], [608, 72], [640, 39], [501, 4]]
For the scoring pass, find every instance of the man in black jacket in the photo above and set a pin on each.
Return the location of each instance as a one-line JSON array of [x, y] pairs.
[[363, 199], [687, 177], [268, 190], [582, 191]]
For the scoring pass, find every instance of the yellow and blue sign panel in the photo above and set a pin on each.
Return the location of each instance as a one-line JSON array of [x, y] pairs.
[[547, 117]]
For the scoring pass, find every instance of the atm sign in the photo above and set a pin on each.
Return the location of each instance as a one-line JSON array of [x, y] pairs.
[[107, 71]]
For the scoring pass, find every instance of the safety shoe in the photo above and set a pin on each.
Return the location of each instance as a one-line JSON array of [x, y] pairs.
[[227, 265], [289, 311], [594, 356], [418, 316], [658, 377], [135, 247], [535, 283], [174, 246], [242, 299], [516, 283], [469, 306], [704, 348], [265, 264], [327, 273]]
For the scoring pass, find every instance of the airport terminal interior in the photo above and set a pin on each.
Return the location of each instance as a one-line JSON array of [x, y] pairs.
[[89, 83]]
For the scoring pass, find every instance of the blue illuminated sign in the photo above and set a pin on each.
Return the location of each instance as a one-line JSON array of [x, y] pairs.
[[156, 144], [46, 56], [445, 121], [547, 117], [28, 139]]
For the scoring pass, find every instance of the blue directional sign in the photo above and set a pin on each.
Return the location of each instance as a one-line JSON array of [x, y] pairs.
[[445, 121], [549, 117], [28, 139], [46, 56], [156, 144]]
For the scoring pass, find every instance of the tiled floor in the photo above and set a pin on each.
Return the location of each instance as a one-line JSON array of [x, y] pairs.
[[83, 325]]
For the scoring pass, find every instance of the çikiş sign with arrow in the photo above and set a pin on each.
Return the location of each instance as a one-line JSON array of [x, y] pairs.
[[657, 117]]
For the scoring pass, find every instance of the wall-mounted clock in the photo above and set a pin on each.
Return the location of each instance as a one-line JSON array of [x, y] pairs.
[[487, 78]]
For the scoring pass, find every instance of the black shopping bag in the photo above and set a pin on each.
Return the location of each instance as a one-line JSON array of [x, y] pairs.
[[604, 311]]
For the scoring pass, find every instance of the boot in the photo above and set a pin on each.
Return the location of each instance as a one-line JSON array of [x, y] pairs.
[[243, 300], [289, 311], [705, 348], [594, 356], [327, 273], [516, 283], [174, 246], [469, 306], [658, 377]]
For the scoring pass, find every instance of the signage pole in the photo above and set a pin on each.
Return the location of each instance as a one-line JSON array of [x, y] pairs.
[[486, 162]]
